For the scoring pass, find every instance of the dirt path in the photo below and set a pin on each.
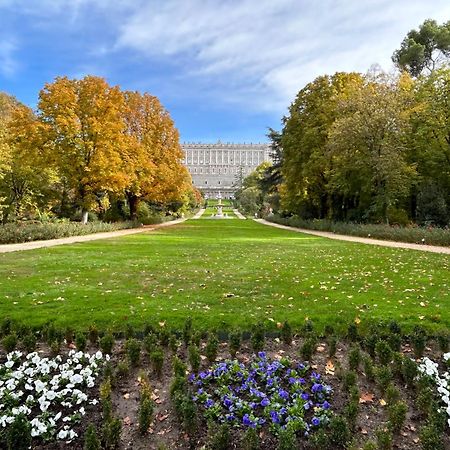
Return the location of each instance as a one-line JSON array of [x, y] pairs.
[[6, 248], [342, 237]]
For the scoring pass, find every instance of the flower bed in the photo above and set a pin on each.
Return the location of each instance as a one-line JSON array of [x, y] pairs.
[[51, 393], [278, 394], [442, 381]]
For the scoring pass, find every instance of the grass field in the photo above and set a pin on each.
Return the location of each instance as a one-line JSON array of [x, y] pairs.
[[223, 273]]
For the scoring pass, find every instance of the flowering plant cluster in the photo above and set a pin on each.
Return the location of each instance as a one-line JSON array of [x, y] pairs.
[[280, 394], [50, 392], [430, 368]]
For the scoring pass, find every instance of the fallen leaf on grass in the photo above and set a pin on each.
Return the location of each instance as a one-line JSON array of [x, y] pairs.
[[367, 397], [162, 324], [383, 402]]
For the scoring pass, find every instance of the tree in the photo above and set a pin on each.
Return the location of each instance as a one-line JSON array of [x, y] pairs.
[[424, 49], [83, 130], [368, 146], [306, 162], [155, 168]]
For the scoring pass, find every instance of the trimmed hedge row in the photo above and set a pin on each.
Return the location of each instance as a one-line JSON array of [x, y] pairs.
[[413, 234], [12, 233]]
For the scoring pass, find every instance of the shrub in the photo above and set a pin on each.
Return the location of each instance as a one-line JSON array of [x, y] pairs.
[[107, 343], [384, 438], [368, 368], [194, 358], [328, 330], [370, 343], [431, 438], [425, 400], [443, 340], [133, 349], [55, 348], [157, 359], [332, 344], [187, 331], [80, 342], [392, 394], [354, 357], [308, 348], [258, 337], [93, 335], [9, 342], [129, 331], [29, 343], [189, 413], [12, 233], [349, 380], [397, 415], [179, 368], [6, 326], [149, 343], [395, 342], [112, 430], [286, 333], [219, 437], [351, 413], [286, 440], [235, 342], [69, 335], [212, 348], [383, 352], [122, 369], [419, 341], [250, 440], [145, 413], [409, 371], [164, 337], [383, 376], [339, 433], [173, 343], [352, 332], [91, 440], [18, 436]]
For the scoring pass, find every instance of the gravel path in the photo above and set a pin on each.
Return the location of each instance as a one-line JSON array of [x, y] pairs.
[[199, 213], [238, 214], [6, 248], [342, 237]]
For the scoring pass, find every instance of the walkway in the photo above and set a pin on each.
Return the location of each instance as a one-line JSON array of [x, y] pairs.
[[342, 237], [199, 213], [6, 248], [238, 214]]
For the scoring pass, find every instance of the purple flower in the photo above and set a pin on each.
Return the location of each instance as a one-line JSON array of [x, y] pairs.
[[248, 422], [265, 402], [274, 416], [283, 394], [227, 402], [304, 396], [292, 380], [326, 405], [203, 375], [316, 388], [301, 381], [315, 421], [262, 355], [209, 403], [191, 377]]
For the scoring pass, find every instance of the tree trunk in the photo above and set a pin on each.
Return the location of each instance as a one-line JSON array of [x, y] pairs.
[[84, 216], [133, 202]]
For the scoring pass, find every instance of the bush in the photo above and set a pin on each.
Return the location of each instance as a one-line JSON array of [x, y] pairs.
[[157, 359], [112, 430], [383, 377], [432, 236], [80, 342], [218, 437], [107, 343], [384, 438], [397, 415], [354, 358], [308, 349], [419, 341], [133, 349], [339, 433], [409, 371], [91, 441], [19, 434], [258, 337], [250, 440], [12, 233], [286, 440], [194, 358], [9, 342], [212, 347], [431, 438], [349, 379], [145, 413], [286, 333], [383, 352], [187, 331], [93, 335], [332, 344], [235, 342], [368, 368], [29, 343]]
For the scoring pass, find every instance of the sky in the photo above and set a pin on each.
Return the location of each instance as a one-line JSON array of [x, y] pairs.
[[225, 69]]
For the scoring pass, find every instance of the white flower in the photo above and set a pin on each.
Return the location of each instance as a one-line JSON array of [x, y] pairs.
[[9, 364]]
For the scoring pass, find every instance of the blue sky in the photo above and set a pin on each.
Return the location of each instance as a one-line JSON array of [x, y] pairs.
[[225, 69]]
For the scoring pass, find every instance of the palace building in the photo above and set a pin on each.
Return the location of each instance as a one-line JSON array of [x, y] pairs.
[[219, 168]]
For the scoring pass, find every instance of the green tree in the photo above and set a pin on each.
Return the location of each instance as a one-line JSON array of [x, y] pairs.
[[424, 49]]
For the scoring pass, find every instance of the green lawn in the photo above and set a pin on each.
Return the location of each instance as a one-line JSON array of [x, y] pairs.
[[231, 272]]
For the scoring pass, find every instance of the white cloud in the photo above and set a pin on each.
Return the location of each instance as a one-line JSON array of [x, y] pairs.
[[8, 63], [261, 52]]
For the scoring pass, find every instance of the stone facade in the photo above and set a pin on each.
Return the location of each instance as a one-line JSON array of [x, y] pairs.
[[218, 168]]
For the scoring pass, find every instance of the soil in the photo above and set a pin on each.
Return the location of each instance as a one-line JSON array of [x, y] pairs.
[[166, 431]]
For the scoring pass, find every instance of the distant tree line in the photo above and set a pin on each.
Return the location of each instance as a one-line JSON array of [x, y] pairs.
[[366, 148], [90, 147]]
